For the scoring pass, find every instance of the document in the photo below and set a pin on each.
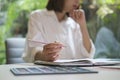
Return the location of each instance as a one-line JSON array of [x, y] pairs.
[[80, 62]]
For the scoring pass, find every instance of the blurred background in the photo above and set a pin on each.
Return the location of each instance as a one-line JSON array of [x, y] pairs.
[[103, 22]]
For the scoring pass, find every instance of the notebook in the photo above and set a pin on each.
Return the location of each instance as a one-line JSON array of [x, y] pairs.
[[50, 70], [81, 62]]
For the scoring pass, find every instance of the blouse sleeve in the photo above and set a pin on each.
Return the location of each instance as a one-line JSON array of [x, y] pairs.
[[81, 48], [87, 54], [35, 34]]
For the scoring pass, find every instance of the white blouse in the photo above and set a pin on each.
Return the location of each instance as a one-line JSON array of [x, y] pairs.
[[44, 26]]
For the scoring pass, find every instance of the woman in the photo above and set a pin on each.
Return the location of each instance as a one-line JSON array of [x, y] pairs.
[[63, 27]]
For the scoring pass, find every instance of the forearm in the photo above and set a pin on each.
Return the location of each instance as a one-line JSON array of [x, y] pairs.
[[79, 17], [85, 36]]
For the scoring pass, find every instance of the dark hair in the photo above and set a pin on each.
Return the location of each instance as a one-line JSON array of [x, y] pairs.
[[56, 5]]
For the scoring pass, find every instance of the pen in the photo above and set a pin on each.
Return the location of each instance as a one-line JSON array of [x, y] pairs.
[[41, 42], [37, 41]]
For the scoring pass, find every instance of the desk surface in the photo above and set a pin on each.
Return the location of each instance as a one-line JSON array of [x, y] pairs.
[[103, 74]]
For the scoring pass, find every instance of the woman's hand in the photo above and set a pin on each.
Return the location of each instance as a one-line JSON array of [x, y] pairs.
[[51, 51], [78, 16]]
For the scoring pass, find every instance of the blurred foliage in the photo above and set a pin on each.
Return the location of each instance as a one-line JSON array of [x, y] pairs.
[[106, 7], [15, 15], [103, 13], [18, 12], [108, 14]]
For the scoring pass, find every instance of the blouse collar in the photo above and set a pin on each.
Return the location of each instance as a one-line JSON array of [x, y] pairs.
[[52, 13]]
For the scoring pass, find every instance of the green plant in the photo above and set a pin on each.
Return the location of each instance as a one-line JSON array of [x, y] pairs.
[[17, 12], [108, 14]]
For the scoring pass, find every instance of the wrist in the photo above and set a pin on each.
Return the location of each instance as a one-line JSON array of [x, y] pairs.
[[38, 56], [82, 25]]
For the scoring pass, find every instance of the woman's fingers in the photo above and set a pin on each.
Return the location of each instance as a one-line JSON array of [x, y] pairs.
[[53, 45], [54, 50], [51, 51], [52, 56], [77, 15]]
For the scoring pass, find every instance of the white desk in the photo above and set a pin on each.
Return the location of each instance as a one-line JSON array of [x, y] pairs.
[[103, 74]]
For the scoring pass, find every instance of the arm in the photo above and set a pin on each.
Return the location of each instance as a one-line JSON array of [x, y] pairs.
[[85, 34], [79, 17]]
